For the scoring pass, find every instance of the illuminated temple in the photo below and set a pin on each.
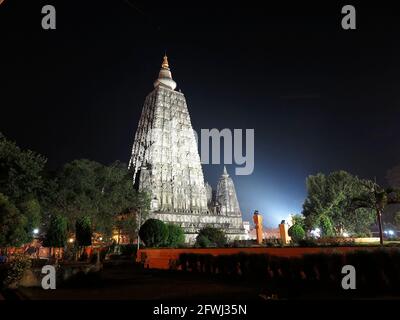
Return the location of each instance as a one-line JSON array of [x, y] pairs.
[[166, 164]]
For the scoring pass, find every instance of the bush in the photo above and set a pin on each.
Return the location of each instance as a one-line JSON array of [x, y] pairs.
[[273, 242], [309, 242], [377, 271], [296, 232], [326, 226], [18, 264], [176, 237], [242, 243], [203, 242], [128, 250], [154, 233], [211, 237]]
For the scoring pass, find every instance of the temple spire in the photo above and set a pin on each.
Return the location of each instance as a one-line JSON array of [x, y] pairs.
[[165, 64], [225, 173], [165, 77]]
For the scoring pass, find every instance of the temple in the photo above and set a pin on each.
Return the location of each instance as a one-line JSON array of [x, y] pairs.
[[166, 164]]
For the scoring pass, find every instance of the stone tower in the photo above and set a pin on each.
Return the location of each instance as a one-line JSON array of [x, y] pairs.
[[226, 196], [166, 163]]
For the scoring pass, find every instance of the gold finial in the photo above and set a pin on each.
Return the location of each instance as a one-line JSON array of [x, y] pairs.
[[165, 64]]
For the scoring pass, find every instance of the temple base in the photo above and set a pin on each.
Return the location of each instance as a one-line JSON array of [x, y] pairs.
[[192, 223]]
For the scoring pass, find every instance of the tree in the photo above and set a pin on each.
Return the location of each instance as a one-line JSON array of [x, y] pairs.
[[328, 200], [176, 236], [397, 219], [56, 232], [22, 182], [83, 231], [78, 191], [326, 226], [213, 237], [127, 224], [154, 233], [296, 232], [298, 219], [376, 198], [21, 171], [86, 188], [13, 224], [31, 209]]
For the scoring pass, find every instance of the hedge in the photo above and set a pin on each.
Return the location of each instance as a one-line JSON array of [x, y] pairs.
[[377, 271]]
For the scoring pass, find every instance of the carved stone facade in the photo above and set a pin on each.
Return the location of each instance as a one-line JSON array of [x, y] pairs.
[[166, 164], [226, 196]]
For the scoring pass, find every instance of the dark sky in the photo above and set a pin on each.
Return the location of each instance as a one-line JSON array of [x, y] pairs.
[[319, 98]]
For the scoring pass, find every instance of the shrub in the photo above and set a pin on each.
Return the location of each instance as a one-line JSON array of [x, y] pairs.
[[377, 271], [242, 243], [203, 242], [153, 233], [326, 226], [296, 232], [176, 237], [128, 250], [309, 242], [273, 242], [18, 264], [211, 237]]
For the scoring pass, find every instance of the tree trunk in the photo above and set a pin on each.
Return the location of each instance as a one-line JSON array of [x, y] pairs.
[[379, 213]]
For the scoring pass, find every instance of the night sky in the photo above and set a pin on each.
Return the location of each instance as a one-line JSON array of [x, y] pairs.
[[320, 98]]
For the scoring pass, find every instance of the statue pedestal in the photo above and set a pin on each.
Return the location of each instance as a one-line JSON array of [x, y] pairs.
[[257, 218], [283, 230]]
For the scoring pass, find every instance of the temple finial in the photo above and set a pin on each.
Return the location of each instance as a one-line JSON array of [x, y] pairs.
[[165, 64], [165, 76], [225, 173]]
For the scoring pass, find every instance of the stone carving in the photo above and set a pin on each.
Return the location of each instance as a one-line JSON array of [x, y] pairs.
[[226, 196], [166, 164]]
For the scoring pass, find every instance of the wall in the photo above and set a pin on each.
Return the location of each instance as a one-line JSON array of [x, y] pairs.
[[166, 258]]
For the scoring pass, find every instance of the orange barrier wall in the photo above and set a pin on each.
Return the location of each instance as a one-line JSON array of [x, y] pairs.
[[166, 258]]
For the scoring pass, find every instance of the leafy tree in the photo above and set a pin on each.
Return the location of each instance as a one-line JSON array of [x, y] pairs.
[[13, 224], [124, 200], [296, 232], [376, 198], [56, 232], [127, 224], [215, 237], [102, 193], [78, 190], [176, 236], [31, 209], [328, 200], [154, 233], [326, 226], [397, 219], [21, 171], [22, 182], [83, 231]]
